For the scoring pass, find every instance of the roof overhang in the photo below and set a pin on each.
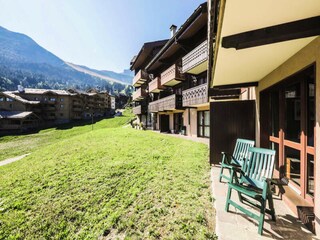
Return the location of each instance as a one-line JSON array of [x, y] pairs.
[[252, 41], [189, 29], [145, 52]]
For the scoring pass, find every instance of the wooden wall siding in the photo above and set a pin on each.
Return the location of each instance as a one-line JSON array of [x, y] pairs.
[[141, 109], [172, 74], [228, 121], [139, 94], [139, 78], [195, 57], [196, 95], [155, 85]]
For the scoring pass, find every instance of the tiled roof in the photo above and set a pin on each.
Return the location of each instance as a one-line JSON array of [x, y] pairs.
[[44, 91], [18, 98]]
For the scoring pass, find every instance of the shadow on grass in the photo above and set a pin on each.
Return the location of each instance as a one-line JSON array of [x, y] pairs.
[[62, 126]]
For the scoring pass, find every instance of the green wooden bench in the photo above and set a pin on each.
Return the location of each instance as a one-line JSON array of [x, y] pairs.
[[240, 152], [253, 183]]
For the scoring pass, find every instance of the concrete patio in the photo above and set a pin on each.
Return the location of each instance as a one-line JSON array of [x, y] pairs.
[[236, 225]]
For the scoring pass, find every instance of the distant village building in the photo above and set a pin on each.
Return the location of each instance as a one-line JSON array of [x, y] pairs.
[[30, 108]]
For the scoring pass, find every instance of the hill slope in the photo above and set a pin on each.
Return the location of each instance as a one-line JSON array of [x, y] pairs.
[[103, 74], [24, 62]]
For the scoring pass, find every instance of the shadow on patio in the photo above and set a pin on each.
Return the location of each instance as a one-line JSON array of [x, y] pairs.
[[236, 225]]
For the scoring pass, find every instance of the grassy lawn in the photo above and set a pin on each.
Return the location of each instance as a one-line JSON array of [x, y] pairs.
[[12, 146], [109, 183]]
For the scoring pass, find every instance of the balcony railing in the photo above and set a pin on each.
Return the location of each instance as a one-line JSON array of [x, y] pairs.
[[195, 96], [139, 78], [172, 76], [153, 106], [165, 104], [155, 85], [195, 61], [139, 95], [141, 109]]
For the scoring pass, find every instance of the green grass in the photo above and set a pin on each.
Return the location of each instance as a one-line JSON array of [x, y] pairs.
[[12, 146], [112, 182]]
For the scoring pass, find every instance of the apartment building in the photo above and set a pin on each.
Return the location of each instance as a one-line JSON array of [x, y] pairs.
[[278, 53], [47, 107], [141, 97], [174, 81]]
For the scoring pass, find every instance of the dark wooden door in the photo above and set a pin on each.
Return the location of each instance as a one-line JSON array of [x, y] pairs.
[[229, 121], [164, 123]]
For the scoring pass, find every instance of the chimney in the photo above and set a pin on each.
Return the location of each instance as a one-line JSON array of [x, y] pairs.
[[20, 89], [173, 30]]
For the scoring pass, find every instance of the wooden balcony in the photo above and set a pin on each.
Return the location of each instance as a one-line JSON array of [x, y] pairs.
[[77, 103], [49, 108], [195, 96], [155, 85], [153, 106], [196, 61], [172, 76], [77, 109], [141, 109], [139, 78], [51, 117], [139, 95], [171, 102]]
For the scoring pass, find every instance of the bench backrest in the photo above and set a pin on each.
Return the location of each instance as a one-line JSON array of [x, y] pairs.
[[258, 166], [241, 148]]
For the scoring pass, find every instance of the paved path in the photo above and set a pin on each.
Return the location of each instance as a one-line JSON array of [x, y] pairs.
[[10, 160], [235, 225], [195, 139]]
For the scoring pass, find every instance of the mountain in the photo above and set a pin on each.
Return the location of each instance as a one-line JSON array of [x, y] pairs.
[[24, 62], [103, 74]]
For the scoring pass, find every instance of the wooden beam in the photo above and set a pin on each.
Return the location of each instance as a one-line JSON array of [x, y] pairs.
[[214, 92], [237, 85], [279, 33]]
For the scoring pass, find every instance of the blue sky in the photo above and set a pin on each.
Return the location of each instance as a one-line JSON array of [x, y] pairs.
[[102, 34]]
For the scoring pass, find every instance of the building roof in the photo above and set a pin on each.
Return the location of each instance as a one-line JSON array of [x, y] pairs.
[[45, 91], [197, 19], [14, 114], [145, 52], [18, 98]]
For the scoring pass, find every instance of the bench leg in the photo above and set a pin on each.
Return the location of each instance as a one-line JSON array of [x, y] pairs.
[[271, 206], [221, 173], [262, 213], [228, 198]]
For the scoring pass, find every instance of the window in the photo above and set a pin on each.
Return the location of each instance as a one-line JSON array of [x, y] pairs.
[[52, 99], [61, 99], [9, 100], [61, 106], [203, 124], [36, 99], [1, 99]]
